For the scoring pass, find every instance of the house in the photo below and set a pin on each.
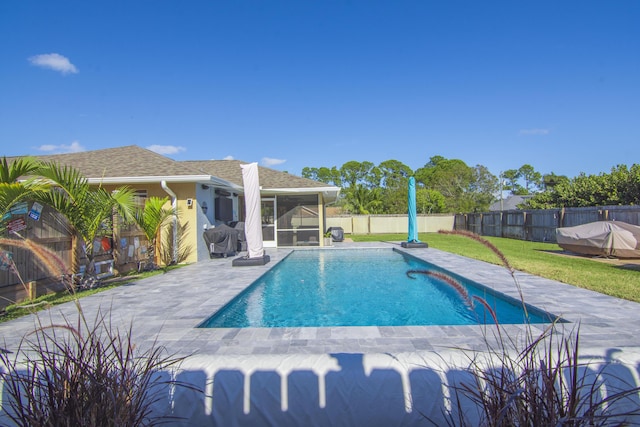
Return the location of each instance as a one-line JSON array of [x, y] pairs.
[[293, 208], [207, 193], [509, 204]]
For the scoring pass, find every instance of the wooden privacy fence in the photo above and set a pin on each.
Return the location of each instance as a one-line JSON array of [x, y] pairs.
[[539, 225], [19, 267], [23, 277]]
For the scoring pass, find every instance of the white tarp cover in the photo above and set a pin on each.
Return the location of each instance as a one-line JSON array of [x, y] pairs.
[[253, 217], [604, 238]]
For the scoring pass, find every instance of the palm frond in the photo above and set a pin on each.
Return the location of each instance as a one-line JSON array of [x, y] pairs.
[[123, 201], [11, 171], [153, 216], [68, 179], [10, 195]]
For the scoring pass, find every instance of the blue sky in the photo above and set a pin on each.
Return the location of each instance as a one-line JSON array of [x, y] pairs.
[[289, 84]]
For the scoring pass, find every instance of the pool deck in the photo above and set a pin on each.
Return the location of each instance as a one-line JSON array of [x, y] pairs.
[[166, 310]]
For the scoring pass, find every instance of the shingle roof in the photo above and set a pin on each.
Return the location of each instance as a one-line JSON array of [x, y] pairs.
[[230, 170], [129, 161], [509, 204], [123, 164]]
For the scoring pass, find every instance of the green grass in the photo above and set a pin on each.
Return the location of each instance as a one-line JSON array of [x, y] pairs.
[[541, 259], [46, 301]]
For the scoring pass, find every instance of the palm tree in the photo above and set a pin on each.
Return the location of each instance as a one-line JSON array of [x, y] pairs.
[[364, 201], [88, 209], [12, 191], [23, 166], [151, 219], [175, 250]]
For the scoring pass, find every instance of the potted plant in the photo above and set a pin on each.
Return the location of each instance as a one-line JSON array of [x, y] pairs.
[[327, 238]]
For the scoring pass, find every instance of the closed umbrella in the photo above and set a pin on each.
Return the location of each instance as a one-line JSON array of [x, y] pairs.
[[253, 222], [412, 239]]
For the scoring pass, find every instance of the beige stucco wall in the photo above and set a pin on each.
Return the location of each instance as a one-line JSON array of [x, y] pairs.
[[360, 224], [381, 224], [187, 214], [341, 221]]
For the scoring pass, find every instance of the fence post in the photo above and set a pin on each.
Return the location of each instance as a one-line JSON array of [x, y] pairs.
[[32, 290], [561, 218], [75, 262]]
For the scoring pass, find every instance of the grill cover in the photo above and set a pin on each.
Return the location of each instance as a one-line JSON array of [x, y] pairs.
[[222, 240]]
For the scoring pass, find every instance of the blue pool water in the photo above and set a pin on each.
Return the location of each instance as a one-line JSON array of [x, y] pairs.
[[364, 287]]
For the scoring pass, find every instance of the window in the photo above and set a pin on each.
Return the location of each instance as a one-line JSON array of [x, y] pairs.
[[139, 197]]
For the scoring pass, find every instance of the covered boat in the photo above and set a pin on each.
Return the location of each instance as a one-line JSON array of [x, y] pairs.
[[602, 238]]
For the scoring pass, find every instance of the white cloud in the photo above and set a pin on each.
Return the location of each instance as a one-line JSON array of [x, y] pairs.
[[534, 132], [74, 147], [268, 161], [166, 149], [228, 158], [54, 62]]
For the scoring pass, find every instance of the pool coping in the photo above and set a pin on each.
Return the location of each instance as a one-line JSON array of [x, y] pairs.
[[166, 310]]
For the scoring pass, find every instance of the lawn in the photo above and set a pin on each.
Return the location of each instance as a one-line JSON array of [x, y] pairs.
[[541, 259]]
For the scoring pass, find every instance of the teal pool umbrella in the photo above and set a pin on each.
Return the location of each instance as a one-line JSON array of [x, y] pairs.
[[412, 240]]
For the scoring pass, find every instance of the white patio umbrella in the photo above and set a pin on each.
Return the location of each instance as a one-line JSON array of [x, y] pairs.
[[253, 218]]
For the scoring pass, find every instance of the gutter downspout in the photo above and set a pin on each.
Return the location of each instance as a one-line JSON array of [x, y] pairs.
[[174, 207]]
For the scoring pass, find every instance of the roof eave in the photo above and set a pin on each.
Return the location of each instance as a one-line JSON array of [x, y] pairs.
[[198, 179], [328, 193]]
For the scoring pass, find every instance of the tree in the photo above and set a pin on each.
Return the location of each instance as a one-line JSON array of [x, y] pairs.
[[151, 218], [177, 247], [550, 180], [532, 178], [464, 188], [630, 187], [363, 201], [511, 177], [12, 191], [394, 174], [450, 177], [88, 209], [429, 201], [353, 173], [620, 187], [450, 181], [394, 182], [323, 174], [483, 188]]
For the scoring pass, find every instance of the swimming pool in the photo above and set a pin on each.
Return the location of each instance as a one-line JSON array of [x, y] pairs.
[[364, 287]]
